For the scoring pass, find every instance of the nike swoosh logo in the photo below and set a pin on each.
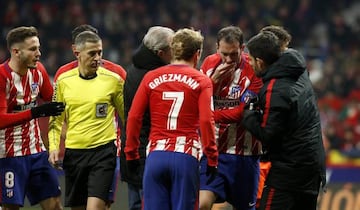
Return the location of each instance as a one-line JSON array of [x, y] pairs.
[[251, 204]]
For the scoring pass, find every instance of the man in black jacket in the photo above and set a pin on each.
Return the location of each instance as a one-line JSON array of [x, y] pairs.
[[154, 52], [286, 120]]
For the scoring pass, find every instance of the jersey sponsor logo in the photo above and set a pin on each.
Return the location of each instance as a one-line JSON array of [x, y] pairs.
[[220, 102], [174, 78], [101, 110], [23, 107]]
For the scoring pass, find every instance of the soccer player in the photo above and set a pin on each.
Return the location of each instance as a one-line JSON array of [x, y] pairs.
[[153, 52], [24, 169], [234, 82], [92, 94], [289, 126], [107, 65], [235, 115], [179, 98]]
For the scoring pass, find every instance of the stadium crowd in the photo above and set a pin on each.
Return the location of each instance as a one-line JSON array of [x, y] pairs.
[[326, 32]]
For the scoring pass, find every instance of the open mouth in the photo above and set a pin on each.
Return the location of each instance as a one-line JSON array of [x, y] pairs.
[[95, 65]]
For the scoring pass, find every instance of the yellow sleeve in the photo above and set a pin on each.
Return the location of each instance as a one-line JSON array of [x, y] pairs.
[[56, 122], [119, 99]]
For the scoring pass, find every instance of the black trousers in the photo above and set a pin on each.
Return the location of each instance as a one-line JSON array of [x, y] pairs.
[[274, 199]]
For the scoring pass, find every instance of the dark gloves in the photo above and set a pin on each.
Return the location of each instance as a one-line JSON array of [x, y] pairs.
[[252, 122], [252, 110], [211, 173], [48, 109], [252, 103], [251, 118]]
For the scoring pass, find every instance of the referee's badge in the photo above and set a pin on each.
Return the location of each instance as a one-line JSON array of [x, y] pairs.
[[101, 110]]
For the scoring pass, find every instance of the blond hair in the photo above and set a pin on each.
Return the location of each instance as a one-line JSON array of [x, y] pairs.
[[186, 42]]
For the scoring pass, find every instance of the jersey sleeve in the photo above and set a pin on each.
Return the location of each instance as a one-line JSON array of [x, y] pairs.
[[56, 122], [119, 100], [256, 84], [12, 119], [204, 66], [210, 62], [46, 89], [207, 124], [134, 121], [229, 115], [3, 100]]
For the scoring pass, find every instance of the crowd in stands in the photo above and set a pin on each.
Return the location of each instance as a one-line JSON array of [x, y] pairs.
[[327, 32]]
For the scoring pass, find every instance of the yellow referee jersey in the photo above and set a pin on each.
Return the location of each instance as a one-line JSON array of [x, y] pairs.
[[89, 109]]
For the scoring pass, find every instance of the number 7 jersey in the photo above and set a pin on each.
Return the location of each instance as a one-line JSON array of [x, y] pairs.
[[180, 102]]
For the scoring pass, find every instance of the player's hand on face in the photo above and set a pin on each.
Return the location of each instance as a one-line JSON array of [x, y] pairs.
[[223, 71]]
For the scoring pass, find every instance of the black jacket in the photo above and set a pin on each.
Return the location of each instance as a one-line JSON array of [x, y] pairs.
[[289, 126], [143, 61]]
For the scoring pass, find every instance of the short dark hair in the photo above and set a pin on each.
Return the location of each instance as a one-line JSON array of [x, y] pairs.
[[280, 32], [19, 34], [230, 34], [265, 45], [82, 28], [86, 36]]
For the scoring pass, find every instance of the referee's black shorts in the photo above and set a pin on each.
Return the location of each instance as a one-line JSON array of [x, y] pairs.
[[89, 173]]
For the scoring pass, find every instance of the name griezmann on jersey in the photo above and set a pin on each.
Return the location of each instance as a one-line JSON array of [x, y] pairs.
[[173, 78]]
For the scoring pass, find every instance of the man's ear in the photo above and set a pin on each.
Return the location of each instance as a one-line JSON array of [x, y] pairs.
[[260, 62], [196, 58], [14, 50], [242, 47], [160, 53]]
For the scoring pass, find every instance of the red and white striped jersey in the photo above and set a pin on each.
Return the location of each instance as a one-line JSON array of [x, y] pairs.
[[180, 104], [233, 138], [18, 93]]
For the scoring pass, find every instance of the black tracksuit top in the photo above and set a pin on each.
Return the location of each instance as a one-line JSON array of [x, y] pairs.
[[290, 125]]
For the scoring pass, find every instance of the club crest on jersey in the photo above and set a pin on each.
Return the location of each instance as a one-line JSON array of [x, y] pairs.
[[34, 87], [235, 89], [101, 110]]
